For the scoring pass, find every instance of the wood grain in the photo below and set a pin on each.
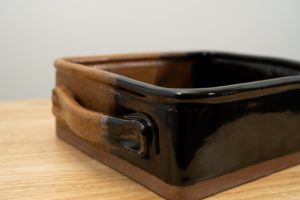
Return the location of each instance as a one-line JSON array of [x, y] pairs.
[[34, 164]]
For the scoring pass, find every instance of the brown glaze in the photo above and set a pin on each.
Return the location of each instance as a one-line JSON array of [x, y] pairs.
[[203, 115]]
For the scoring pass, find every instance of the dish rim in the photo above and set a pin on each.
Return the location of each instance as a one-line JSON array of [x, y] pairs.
[[77, 65]]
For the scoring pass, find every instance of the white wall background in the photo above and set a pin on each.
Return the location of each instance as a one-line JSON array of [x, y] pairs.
[[33, 33]]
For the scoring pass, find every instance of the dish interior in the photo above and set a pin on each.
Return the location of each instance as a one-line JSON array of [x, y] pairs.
[[199, 71]]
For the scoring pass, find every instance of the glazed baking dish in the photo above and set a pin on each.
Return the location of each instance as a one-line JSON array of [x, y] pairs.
[[185, 125]]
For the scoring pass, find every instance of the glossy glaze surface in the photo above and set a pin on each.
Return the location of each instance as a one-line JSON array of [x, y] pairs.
[[201, 137], [206, 114]]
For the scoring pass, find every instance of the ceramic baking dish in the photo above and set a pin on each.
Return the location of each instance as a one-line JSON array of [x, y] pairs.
[[185, 125]]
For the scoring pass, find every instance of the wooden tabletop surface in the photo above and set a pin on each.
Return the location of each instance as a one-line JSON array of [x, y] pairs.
[[34, 164]]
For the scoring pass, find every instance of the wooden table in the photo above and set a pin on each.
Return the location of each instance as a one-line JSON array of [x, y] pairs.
[[34, 164]]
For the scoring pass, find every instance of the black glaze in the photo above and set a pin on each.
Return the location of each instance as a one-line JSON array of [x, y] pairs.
[[129, 133], [244, 110]]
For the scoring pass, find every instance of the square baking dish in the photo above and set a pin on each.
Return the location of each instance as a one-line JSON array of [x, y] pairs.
[[185, 125]]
